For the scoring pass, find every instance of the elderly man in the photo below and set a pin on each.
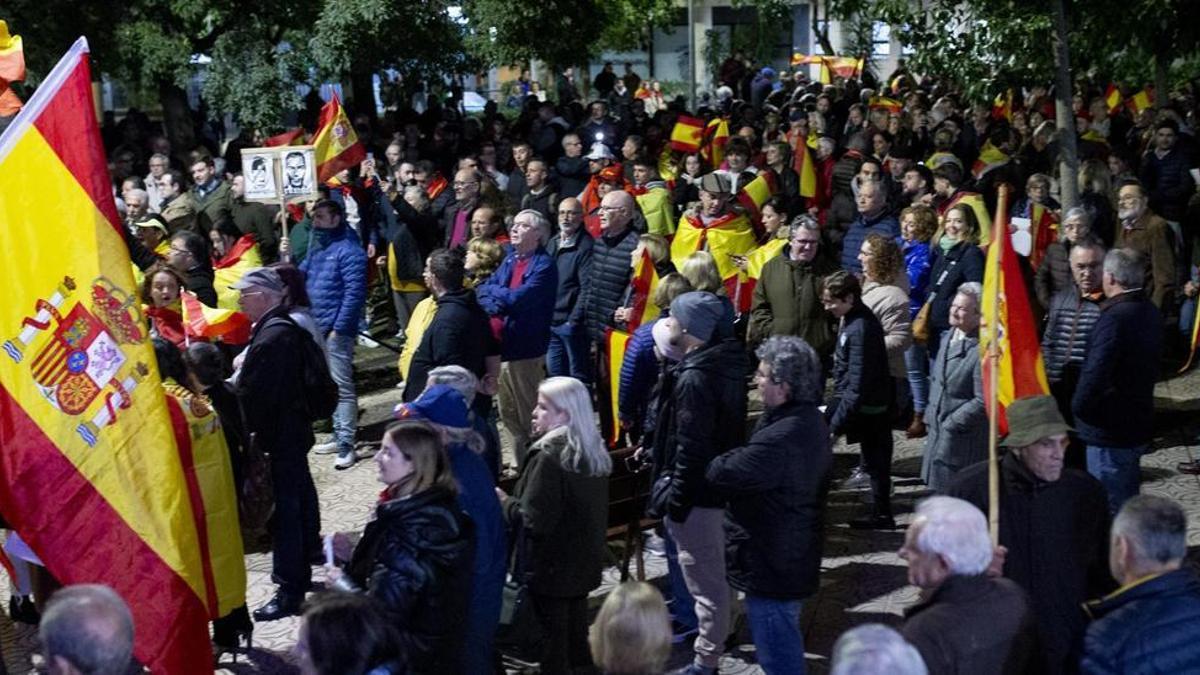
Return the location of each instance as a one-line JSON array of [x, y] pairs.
[[137, 203], [159, 163], [456, 218], [1053, 527], [1114, 400], [787, 297], [270, 388], [716, 228], [874, 648], [776, 486], [873, 217], [151, 230], [571, 249], [967, 621], [1152, 624], [1144, 231], [87, 628], [703, 418], [521, 294]]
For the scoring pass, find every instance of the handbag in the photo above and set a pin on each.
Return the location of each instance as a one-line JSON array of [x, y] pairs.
[[520, 631], [920, 323]]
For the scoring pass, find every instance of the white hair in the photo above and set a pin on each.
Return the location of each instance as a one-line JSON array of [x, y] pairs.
[[539, 221], [874, 648], [955, 530], [586, 452], [457, 378]]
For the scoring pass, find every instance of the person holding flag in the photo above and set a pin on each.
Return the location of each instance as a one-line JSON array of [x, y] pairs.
[[716, 227]]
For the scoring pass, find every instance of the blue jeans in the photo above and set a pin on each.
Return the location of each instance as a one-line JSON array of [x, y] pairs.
[[916, 360], [681, 602], [775, 627], [567, 354], [1119, 470], [340, 352]]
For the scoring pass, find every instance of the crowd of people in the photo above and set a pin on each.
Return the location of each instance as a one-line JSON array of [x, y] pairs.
[[509, 255]]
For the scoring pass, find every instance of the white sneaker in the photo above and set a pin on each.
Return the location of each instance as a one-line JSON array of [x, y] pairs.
[[345, 460], [325, 448], [364, 341]]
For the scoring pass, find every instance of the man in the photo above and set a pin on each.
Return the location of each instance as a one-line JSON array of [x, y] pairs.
[[152, 231], [787, 297], [521, 295], [456, 216], [1072, 316], [967, 621], [1165, 173], [270, 388], [87, 628], [775, 519], [1152, 624], [703, 418], [177, 206], [209, 192], [605, 80], [1144, 231], [567, 353], [917, 186], [717, 228], [841, 211], [516, 184], [188, 255], [159, 163], [335, 269], [253, 218], [1114, 401], [653, 198], [873, 218], [547, 132], [1053, 527], [572, 169], [610, 276], [599, 128], [295, 174], [538, 195], [137, 203]]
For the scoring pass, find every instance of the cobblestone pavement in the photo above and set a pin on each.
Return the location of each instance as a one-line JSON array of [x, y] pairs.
[[862, 579]]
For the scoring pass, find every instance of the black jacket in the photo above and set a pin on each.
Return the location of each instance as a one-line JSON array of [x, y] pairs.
[[972, 624], [199, 280], [950, 270], [1168, 182], [574, 262], [1150, 627], [1057, 539], [257, 219], [572, 174], [545, 203], [1069, 324], [705, 418], [776, 485], [270, 387], [861, 379], [610, 276], [416, 559], [459, 335]]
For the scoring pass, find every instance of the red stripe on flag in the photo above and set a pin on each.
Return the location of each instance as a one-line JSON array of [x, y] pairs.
[[98, 546], [183, 440], [75, 138]]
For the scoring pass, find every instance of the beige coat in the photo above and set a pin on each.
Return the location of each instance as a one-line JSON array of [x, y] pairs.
[[890, 305]]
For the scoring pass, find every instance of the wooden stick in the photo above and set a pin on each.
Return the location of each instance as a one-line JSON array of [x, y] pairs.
[[993, 394]]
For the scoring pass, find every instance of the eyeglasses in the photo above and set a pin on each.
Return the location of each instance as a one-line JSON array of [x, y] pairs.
[[178, 250], [458, 184]]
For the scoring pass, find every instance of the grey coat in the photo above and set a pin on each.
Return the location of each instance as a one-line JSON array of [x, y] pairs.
[[955, 416]]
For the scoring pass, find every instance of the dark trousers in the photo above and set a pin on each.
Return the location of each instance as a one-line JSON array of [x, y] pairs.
[[565, 621], [296, 524], [1063, 391], [874, 435], [567, 353]]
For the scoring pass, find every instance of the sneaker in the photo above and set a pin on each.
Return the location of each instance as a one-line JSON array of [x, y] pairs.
[[326, 448], [857, 480], [345, 460], [369, 343], [655, 546]]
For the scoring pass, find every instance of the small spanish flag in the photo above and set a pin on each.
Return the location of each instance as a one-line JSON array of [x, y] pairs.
[[754, 194], [807, 171], [644, 282], [12, 69], [884, 103], [437, 185], [1112, 99], [716, 135], [1002, 107], [210, 324], [687, 134], [1045, 232], [290, 137], [989, 157], [1143, 100], [335, 143]]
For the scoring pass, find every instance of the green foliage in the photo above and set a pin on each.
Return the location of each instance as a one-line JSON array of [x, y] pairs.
[[415, 37]]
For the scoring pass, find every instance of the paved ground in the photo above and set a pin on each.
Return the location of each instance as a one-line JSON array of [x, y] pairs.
[[862, 578]]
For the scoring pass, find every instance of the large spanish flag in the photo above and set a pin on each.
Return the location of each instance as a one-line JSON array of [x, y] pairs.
[[724, 237], [1008, 322], [644, 282], [335, 144], [90, 475]]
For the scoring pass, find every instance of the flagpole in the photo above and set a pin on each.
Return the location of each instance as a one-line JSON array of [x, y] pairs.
[[993, 394]]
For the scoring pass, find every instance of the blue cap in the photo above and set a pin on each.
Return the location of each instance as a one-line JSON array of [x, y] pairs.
[[440, 404]]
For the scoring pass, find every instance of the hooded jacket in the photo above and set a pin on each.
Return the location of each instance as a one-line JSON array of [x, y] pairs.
[[336, 279], [459, 335]]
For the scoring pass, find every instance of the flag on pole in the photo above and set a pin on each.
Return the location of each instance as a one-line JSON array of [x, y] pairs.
[[1002, 107], [806, 170], [1018, 370], [1142, 100], [335, 144], [990, 157], [213, 324], [1044, 224], [754, 194], [687, 134], [618, 341], [12, 69], [291, 137], [1112, 99], [644, 283], [884, 103], [91, 477]]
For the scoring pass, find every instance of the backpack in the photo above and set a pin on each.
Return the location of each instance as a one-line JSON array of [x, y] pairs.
[[320, 391]]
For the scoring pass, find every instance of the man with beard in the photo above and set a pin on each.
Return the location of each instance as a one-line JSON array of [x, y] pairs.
[[1145, 232]]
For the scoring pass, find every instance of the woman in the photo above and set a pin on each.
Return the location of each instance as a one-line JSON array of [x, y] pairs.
[[917, 224], [882, 268], [787, 182], [233, 254], [1054, 274], [561, 504], [346, 634], [484, 256], [414, 556], [160, 291], [700, 269], [1037, 192], [1097, 196], [956, 260], [637, 295], [688, 173], [632, 632], [956, 418], [639, 366]]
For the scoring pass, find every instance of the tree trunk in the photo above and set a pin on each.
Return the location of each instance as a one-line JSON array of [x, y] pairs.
[[178, 120], [1161, 87], [1068, 161], [362, 91], [821, 34]]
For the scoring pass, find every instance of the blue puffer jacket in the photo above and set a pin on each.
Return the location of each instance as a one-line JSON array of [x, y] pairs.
[[884, 223], [1152, 627], [639, 370], [527, 309], [917, 261], [335, 271]]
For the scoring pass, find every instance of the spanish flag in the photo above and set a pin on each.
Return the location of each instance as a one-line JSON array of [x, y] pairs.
[[974, 200], [1002, 107], [884, 103], [210, 324], [91, 477], [1044, 224], [740, 286], [806, 170], [618, 341], [1195, 342], [754, 194], [12, 69], [242, 256], [291, 137], [644, 282], [1008, 323], [335, 144], [687, 134], [1112, 99], [716, 135], [724, 237], [990, 157], [1142, 100]]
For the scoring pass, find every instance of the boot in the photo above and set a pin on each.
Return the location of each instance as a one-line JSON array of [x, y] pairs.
[[916, 429]]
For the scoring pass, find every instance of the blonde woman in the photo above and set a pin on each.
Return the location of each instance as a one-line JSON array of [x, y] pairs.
[[560, 503], [632, 632], [700, 269], [883, 267], [484, 256]]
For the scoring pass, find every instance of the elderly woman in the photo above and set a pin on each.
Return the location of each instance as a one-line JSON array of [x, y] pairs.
[[1054, 274], [957, 421], [1037, 192], [483, 259], [560, 504]]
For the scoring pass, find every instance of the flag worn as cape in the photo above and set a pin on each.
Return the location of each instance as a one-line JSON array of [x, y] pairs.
[[1019, 370], [655, 205], [91, 476], [335, 144], [644, 282], [724, 237]]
